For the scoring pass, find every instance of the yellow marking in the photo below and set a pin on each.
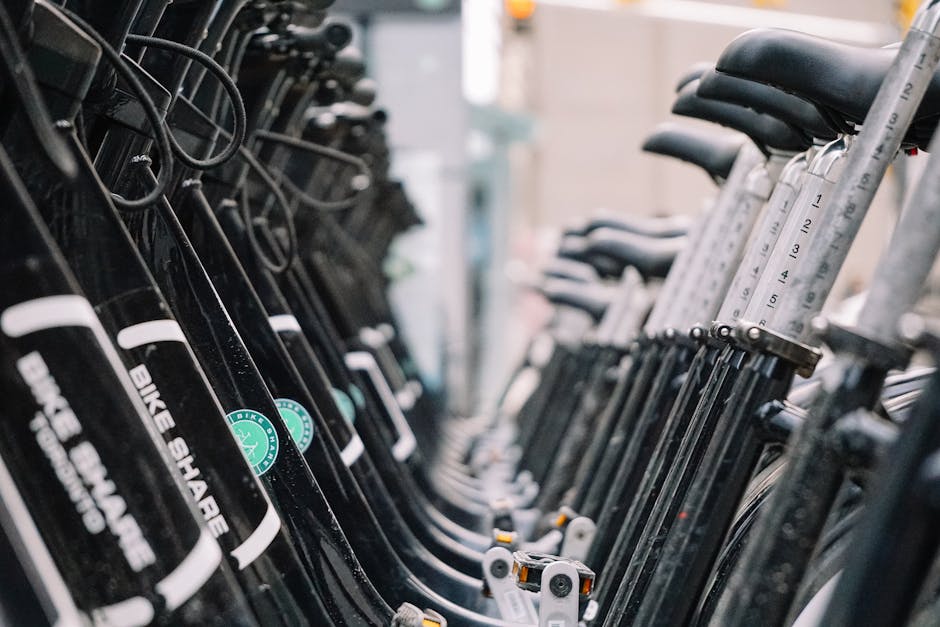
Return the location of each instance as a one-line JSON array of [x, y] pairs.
[[586, 586], [905, 10], [520, 9]]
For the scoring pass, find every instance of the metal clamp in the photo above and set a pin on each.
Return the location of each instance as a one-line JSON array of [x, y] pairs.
[[406, 444], [721, 332], [755, 337]]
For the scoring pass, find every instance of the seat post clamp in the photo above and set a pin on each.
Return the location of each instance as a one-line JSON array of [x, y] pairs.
[[757, 338]]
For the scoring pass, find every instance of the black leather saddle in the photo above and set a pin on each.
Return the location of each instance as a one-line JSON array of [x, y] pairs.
[[592, 298], [652, 257], [769, 133], [610, 251], [841, 80], [796, 112], [712, 151], [668, 226], [694, 72], [559, 268]]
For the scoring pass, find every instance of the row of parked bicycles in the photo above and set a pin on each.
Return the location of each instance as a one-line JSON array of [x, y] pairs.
[[209, 415]]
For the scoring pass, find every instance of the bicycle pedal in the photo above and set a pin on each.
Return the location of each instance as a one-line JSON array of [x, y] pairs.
[[409, 615], [529, 569]]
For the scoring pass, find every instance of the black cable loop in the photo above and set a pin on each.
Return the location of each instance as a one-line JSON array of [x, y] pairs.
[[325, 151], [24, 85], [157, 124], [291, 253], [237, 136]]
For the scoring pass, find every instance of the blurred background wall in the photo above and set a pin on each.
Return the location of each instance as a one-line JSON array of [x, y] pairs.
[[506, 129]]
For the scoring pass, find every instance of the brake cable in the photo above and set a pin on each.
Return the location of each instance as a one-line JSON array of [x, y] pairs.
[[323, 151], [24, 84], [157, 124], [237, 137], [290, 253]]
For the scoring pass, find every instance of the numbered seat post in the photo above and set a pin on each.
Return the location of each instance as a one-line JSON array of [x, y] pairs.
[[803, 498], [631, 296], [721, 222], [726, 257], [694, 542], [766, 233], [794, 240], [646, 397], [651, 397], [675, 409], [866, 162], [668, 296]]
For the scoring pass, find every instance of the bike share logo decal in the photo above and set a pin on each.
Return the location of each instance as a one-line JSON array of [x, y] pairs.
[[257, 437], [356, 394], [298, 421], [345, 405]]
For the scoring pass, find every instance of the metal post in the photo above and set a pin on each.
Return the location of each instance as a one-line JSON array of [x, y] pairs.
[[793, 243], [719, 223], [765, 236], [866, 163], [903, 268], [666, 300], [714, 279]]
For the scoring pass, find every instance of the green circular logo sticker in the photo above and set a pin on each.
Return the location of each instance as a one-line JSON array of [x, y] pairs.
[[257, 437], [345, 405], [357, 396], [298, 420]]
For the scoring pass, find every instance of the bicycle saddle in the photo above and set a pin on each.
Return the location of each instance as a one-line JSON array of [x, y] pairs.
[[713, 152], [790, 109], [652, 257], [575, 247], [668, 226], [693, 73], [841, 79], [766, 131], [592, 298], [559, 268]]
